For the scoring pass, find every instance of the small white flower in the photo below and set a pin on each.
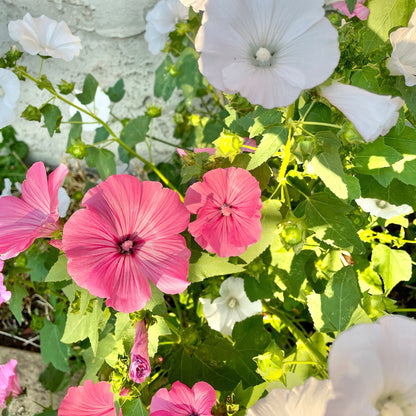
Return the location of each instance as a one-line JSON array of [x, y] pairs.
[[9, 93], [382, 209], [100, 107], [307, 400], [403, 57], [372, 368], [232, 306], [373, 115], [197, 5], [161, 20], [267, 50], [45, 37]]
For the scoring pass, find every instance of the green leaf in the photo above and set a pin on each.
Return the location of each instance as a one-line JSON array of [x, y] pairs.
[[48, 413], [52, 117], [209, 265], [158, 329], [134, 408], [16, 301], [333, 310], [58, 272], [66, 87], [265, 118], [39, 264], [165, 83], [134, 132], [81, 325], [325, 216], [157, 303], [52, 349], [88, 90], [376, 155], [76, 130], [269, 145], [53, 379], [384, 16], [117, 91], [101, 134], [366, 78], [328, 166], [103, 160], [393, 266], [270, 217]]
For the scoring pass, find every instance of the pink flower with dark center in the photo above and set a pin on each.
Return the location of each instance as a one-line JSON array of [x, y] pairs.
[[5, 295], [140, 365], [183, 401], [227, 203], [34, 215], [360, 10], [128, 233], [89, 400], [9, 382]]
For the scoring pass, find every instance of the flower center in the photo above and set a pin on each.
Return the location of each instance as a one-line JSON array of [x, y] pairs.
[[226, 210], [194, 414], [381, 204], [391, 408], [127, 245], [232, 303], [263, 57]]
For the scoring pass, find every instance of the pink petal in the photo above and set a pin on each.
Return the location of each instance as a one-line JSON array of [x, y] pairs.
[[205, 397], [88, 400], [9, 382], [140, 365]]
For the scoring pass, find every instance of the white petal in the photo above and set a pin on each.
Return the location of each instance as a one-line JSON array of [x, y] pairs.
[[382, 209], [372, 114], [197, 5], [64, 201], [7, 190], [10, 85], [45, 37], [155, 39]]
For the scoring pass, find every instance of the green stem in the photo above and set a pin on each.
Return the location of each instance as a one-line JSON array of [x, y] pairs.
[[169, 144], [110, 131], [286, 158], [41, 66], [178, 308], [317, 123], [299, 335], [405, 310]]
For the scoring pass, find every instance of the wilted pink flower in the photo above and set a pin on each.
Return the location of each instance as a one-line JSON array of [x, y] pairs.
[[360, 10], [5, 295], [89, 400], [9, 382], [209, 150], [228, 204], [33, 216], [183, 401], [140, 365], [128, 233]]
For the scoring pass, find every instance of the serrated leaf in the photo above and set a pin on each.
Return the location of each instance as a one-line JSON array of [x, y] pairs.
[[88, 90], [209, 266], [16, 301], [269, 145], [52, 349], [165, 83], [134, 408], [325, 216], [117, 91], [52, 117], [333, 310], [393, 266], [103, 160], [58, 272]]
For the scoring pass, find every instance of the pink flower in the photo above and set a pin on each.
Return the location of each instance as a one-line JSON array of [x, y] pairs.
[[209, 150], [89, 400], [360, 10], [140, 365], [9, 382], [5, 295], [35, 215], [129, 232], [183, 401], [228, 204]]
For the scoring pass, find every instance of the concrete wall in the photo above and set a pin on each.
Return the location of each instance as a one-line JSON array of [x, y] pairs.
[[112, 36]]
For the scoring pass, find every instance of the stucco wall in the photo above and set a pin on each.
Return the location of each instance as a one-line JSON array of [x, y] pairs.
[[112, 36]]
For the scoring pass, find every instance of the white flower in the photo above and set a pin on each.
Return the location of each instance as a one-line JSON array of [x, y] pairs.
[[232, 306], [161, 20], [45, 37], [372, 368], [373, 115], [100, 107], [403, 57], [382, 209], [9, 93], [307, 400], [267, 50], [197, 5]]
